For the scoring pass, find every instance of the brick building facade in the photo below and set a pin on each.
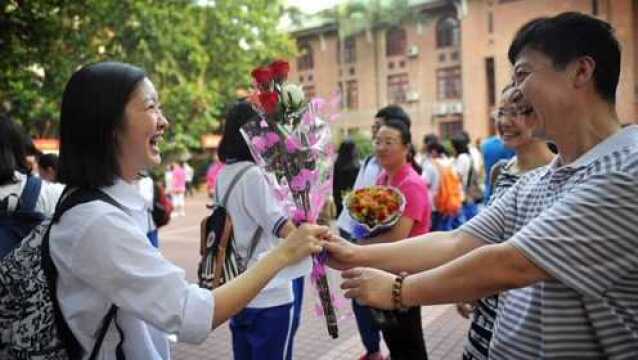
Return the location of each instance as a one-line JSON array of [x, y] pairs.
[[446, 65]]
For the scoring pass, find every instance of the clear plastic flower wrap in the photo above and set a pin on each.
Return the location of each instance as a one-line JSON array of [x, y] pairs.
[[292, 141]]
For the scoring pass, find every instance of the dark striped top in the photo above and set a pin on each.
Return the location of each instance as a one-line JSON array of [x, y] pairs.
[[579, 222], [481, 328]]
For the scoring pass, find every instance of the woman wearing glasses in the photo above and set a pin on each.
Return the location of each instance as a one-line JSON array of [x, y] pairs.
[[515, 119], [392, 146]]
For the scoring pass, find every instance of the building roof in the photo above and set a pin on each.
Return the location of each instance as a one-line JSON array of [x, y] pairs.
[[322, 21]]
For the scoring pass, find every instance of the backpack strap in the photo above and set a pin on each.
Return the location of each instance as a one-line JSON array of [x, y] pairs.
[[30, 194], [233, 182], [254, 241], [470, 173], [257, 233], [367, 161], [69, 199]]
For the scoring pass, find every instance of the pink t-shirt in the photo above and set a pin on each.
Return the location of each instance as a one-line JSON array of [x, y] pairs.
[[212, 174], [417, 199], [179, 179]]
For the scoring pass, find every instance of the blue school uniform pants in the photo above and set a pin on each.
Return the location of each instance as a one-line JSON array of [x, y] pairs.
[[263, 333]]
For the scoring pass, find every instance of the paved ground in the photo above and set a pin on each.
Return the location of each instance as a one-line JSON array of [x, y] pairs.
[[179, 241]]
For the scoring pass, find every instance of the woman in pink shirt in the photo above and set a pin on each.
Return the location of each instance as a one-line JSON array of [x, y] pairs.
[[178, 189], [405, 341]]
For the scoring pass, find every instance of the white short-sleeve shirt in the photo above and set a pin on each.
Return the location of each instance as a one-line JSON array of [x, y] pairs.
[[252, 203]]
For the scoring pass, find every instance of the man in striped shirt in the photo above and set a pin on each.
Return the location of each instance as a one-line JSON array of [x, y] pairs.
[[562, 244]]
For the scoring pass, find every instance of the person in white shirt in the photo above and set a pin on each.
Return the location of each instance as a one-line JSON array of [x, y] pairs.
[[146, 188], [190, 173], [20, 190], [264, 329], [466, 168], [111, 124]]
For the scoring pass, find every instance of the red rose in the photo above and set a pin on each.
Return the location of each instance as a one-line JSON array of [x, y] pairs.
[[263, 77], [269, 101], [279, 70]]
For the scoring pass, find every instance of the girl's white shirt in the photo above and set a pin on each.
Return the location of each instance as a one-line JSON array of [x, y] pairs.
[[103, 257], [252, 203]]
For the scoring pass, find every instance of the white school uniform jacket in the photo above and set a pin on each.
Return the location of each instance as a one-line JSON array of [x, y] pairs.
[[103, 257], [252, 203]]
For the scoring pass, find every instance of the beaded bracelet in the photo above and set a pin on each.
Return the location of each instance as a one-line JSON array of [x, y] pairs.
[[396, 292]]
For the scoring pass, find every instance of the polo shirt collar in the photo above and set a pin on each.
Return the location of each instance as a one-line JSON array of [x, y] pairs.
[[621, 139], [403, 172], [127, 194]]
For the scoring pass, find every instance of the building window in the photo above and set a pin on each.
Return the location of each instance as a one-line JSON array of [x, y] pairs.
[[447, 129], [454, 55], [491, 81], [594, 7], [490, 23], [309, 91], [352, 95], [395, 41], [349, 48], [447, 32], [442, 57], [397, 88], [449, 86], [305, 60]]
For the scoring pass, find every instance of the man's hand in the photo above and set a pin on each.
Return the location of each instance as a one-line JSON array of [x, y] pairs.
[[341, 252], [369, 286]]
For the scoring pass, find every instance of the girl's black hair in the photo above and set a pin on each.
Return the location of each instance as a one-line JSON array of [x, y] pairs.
[[13, 151], [233, 147], [92, 114]]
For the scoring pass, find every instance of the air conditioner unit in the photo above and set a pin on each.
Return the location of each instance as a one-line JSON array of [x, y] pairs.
[[455, 108], [412, 96], [439, 109], [413, 51]]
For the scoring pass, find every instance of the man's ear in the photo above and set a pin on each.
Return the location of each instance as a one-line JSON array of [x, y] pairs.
[[583, 71]]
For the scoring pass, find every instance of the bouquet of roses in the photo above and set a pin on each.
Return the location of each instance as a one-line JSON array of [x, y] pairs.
[[292, 141], [375, 209]]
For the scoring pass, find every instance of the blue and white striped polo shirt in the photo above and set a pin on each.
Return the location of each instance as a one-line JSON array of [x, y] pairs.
[[579, 222]]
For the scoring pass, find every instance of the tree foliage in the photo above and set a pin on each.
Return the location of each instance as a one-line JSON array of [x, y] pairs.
[[198, 54]]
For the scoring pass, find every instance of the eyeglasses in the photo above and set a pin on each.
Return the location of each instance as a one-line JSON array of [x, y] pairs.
[[386, 142], [512, 112]]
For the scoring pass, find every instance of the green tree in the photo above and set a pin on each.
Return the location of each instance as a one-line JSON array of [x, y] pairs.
[[197, 53]]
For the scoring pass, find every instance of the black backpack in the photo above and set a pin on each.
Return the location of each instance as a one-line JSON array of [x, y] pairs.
[[31, 323], [221, 261], [18, 216], [162, 206]]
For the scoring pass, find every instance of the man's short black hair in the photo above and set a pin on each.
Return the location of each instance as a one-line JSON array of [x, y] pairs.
[[568, 36], [92, 114], [394, 112]]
